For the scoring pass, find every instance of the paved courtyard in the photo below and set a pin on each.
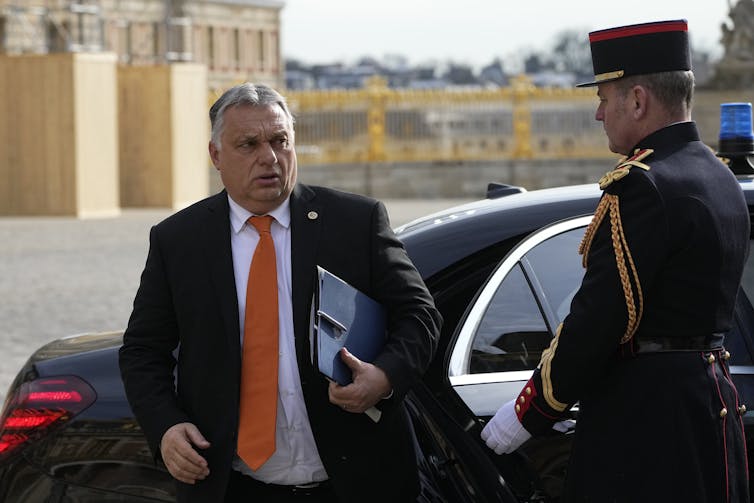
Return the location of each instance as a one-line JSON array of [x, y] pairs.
[[62, 276]]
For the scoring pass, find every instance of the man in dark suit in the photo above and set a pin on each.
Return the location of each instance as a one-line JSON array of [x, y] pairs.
[[642, 348], [181, 359]]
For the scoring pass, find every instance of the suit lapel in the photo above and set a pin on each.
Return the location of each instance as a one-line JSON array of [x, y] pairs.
[[218, 252], [306, 218]]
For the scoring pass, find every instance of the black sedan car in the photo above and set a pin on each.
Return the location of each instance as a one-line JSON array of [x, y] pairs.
[[502, 271]]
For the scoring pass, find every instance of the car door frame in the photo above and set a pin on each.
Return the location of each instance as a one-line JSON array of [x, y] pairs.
[[477, 390]]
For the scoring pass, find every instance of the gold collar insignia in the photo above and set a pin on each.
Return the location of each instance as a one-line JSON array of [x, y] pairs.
[[624, 166]]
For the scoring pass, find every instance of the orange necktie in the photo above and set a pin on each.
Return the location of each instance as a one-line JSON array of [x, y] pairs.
[[259, 365]]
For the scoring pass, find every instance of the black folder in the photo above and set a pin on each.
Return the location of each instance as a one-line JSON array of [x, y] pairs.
[[343, 316]]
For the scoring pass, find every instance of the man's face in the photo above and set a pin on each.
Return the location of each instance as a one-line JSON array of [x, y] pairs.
[[256, 158], [615, 113]]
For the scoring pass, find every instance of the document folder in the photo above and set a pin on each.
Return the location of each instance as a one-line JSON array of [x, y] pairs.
[[342, 316]]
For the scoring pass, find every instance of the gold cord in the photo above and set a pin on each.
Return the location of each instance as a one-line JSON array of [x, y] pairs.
[[628, 279]]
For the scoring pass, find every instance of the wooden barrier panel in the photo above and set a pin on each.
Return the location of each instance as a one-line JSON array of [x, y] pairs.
[[164, 131], [58, 138]]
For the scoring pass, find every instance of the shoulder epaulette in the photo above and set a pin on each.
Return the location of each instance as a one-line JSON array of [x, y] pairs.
[[624, 166]]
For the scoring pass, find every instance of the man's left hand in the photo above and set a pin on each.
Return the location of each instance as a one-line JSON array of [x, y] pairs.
[[369, 386]]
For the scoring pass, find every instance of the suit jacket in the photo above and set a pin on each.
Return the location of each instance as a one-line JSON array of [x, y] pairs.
[[185, 319]]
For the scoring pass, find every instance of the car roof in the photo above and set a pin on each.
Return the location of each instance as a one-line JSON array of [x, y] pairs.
[[436, 241]]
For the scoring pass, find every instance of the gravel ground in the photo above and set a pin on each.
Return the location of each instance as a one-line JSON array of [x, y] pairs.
[[61, 276]]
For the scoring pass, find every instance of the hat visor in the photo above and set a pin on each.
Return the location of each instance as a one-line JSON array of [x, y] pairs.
[[602, 78]]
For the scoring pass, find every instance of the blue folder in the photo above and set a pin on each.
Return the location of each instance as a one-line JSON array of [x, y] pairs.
[[342, 316]]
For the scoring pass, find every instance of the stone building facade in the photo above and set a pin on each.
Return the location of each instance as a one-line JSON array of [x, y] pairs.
[[237, 39]]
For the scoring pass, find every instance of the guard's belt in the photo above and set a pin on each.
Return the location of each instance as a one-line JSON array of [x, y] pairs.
[[711, 342]]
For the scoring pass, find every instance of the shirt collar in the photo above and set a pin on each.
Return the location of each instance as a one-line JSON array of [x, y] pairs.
[[239, 215]]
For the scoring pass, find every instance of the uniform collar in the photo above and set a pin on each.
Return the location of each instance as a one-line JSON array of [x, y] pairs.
[[680, 132]]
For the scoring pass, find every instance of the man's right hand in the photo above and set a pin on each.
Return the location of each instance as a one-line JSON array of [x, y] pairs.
[[179, 455], [504, 433]]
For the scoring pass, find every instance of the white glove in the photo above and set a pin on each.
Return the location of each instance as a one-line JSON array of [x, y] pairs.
[[504, 432]]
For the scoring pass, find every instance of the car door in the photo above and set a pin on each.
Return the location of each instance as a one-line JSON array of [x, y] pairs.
[[513, 319]]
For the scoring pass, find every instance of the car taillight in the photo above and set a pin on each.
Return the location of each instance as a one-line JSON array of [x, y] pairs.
[[38, 407]]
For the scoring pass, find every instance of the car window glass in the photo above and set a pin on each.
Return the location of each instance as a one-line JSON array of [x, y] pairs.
[[738, 341], [747, 283], [556, 265], [512, 332]]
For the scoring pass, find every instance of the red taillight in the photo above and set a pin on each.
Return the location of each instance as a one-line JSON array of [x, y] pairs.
[[37, 407], [55, 396], [31, 418]]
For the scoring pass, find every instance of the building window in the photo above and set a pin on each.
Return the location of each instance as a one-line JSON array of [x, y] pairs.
[[156, 41], [236, 50], [274, 52], [123, 41], [210, 54], [198, 44], [2, 34]]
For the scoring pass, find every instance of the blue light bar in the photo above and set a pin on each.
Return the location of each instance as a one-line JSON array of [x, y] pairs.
[[736, 136], [735, 121]]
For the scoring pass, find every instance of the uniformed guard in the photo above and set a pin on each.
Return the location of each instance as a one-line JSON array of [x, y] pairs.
[[642, 348]]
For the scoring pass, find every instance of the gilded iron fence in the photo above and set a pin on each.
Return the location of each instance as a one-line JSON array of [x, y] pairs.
[[380, 124]]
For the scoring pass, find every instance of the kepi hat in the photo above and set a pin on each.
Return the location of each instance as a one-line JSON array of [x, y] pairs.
[[639, 49]]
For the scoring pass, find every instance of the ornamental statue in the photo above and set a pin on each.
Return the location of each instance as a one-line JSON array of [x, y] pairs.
[[738, 39], [736, 68]]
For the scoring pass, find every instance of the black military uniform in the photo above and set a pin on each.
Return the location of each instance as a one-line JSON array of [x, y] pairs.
[[642, 348]]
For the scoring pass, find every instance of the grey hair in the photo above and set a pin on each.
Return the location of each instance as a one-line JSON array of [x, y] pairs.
[[673, 90], [256, 95]]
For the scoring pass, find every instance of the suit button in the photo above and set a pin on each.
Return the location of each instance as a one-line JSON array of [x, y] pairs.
[[528, 390], [726, 355], [711, 358], [742, 409], [518, 408], [723, 412], [521, 399]]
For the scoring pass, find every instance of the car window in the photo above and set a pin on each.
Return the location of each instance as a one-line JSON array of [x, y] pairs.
[[739, 340], [512, 320], [556, 267], [747, 283], [512, 333], [517, 325]]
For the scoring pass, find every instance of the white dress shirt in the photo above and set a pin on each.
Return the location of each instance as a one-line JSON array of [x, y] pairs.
[[296, 459]]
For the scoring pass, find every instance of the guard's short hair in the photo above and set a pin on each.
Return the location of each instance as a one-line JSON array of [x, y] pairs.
[[674, 90]]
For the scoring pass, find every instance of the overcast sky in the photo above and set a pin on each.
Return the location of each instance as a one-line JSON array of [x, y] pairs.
[[472, 31]]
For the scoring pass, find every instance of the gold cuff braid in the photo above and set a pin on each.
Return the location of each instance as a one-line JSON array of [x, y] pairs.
[[545, 370]]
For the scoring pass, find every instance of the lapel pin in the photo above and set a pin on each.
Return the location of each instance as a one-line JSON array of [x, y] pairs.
[[312, 215]]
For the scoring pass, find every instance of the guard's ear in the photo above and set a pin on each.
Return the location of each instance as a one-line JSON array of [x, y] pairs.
[[639, 100]]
